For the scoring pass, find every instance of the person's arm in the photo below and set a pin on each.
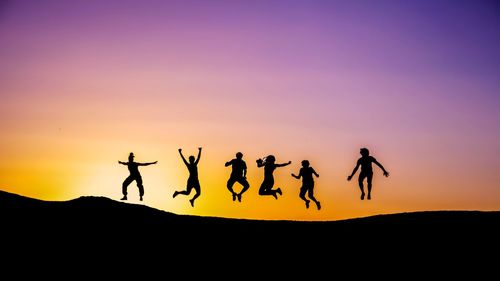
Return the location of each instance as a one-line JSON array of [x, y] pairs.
[[297, 177], [228, 163], [182, 156], [147, 164], [244, 170], [381, 167], [284, 164], [354, 171], [314, 172], [123, 163], [199, 155]]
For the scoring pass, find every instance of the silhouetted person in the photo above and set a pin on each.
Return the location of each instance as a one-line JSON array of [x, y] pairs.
[[269, 166], [192, 181], [307, 172], [366, 171], [133, 168], [238, 174]]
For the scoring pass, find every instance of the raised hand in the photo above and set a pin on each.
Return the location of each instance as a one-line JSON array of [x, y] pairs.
[[349, 178], [386, 174], [180, 149]]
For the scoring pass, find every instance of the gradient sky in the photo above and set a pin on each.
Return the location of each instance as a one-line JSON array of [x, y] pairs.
[[84, 83]]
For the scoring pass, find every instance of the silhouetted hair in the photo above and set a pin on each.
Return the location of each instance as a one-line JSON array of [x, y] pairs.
[[305, 163], [239, 155], [131, 157], [364, 151], [270, 158]]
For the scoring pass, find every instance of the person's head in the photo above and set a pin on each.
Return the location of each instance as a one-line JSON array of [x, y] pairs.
[[131, 157], [270, 159], [191, 159], [239, 155], [364, 152], [305, 163]]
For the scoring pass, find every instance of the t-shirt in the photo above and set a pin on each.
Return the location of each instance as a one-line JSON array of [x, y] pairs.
[[238, 167], [366, 163], [133, 168], [307, 174]]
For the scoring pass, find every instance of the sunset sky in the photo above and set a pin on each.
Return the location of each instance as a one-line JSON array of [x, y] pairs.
[[84, 83]]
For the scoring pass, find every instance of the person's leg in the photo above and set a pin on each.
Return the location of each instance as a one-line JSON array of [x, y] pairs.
[[360, 182], [189, 186], [302, 195], [245, 185], [266, 188], [310, 194], [126, 182], [140, 186], [275, 191], [369, 178], [263, 189], [230, 183], [197, 188]]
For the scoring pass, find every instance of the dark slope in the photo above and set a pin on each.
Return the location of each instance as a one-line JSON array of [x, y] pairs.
[[110, 230]]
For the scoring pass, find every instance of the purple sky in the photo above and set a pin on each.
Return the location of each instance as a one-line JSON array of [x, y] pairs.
[[416, 80]]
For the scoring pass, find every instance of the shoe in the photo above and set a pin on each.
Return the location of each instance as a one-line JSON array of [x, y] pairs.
[[192, 202], [239, 197], [275, 196], [369, 197], [307, 204], [175, 194], [234, 196], [140, 198], [318, 205], [279, 191], [363, 196], [124, 198]]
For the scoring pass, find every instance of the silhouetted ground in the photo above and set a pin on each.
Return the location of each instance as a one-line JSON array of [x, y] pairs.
[[98, 232]]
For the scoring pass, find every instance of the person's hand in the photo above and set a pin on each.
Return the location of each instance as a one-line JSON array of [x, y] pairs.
[[386, 174], [349, 178], [180, 149], [293, 175], [199, 148], [155, 162], [289, 162]]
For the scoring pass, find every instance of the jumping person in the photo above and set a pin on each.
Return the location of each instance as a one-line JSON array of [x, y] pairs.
[[238, 174], [192, 181], [366, 171], [133, 168], [269, 166], [307, 172]]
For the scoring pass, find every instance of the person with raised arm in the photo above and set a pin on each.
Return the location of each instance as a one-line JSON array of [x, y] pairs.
[[192, 181], [269, 164]]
